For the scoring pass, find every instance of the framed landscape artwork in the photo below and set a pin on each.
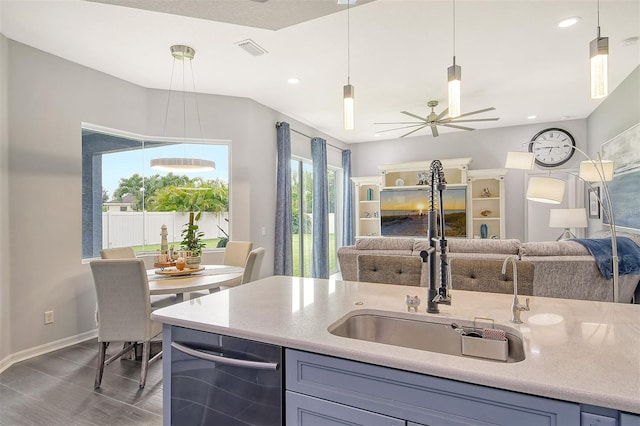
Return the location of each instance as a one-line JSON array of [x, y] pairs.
[[624, 150]]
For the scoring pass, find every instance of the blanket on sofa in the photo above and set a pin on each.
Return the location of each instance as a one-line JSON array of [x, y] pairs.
[[600, 249]]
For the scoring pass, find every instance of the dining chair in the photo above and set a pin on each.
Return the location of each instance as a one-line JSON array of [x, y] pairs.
[[118, 253], [253, 265], [236, 253], [124, 310], [389, 269]]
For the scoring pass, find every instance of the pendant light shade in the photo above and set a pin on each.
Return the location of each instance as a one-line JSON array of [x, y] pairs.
[[599, 56], [176, 164], [349, 107], [454, 73], [546, 190], [185, 165]]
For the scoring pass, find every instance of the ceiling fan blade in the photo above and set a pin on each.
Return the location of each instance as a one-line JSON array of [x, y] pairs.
[[413, 115], [457, 127], [434, 130], [401, 122], [476, 112], [413, 131], [442, 114], [399, 128], [455, 120]]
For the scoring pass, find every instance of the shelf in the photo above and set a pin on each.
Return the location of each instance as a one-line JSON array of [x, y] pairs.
[[369, 201], [369, 218], [486, 218], [486, 199]]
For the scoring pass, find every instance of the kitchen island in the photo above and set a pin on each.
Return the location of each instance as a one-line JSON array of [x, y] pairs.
[[582, 352]]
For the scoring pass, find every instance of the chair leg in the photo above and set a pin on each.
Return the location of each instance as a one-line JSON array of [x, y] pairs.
[[146, 350], [102, 349]]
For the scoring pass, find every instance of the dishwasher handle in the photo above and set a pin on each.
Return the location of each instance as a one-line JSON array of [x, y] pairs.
[[223, 360]]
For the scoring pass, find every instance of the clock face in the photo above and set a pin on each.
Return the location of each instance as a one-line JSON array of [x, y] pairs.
[[552, 147]]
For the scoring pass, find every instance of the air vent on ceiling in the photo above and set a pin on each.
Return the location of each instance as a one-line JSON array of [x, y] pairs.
[[251, 47]]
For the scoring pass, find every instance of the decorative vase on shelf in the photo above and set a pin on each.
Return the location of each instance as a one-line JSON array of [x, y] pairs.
[[369, 194], [484, 230]]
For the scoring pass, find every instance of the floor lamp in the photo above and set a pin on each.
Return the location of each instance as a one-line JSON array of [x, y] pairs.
[[551, 190]]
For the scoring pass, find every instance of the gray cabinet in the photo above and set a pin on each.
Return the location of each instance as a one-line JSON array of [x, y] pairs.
[[627, 419], [414, 398], [304, 410]]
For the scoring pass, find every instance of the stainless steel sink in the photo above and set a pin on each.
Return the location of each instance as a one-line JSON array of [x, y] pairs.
[[414, 333]]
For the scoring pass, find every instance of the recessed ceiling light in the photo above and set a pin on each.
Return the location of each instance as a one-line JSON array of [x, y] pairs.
[[293, 80], [377, 135], [568, 22], [565, 117], [532, 117], [629, 41]]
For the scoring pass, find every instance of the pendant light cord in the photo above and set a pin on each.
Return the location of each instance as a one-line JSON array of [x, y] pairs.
[[598, 19], [166, 113], [454, 32], [348, 43]]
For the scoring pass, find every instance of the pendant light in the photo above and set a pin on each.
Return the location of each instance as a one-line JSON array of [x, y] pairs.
[[599, 53], [182, 165], [348, 91], [454, 74]]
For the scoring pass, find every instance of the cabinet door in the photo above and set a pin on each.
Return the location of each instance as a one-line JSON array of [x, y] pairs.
[[627, 419], [303, 410]]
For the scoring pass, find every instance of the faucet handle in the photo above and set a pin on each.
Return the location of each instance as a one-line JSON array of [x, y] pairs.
[[526, 304]]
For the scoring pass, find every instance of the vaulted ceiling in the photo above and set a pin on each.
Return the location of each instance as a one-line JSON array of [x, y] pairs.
[[514, 57]]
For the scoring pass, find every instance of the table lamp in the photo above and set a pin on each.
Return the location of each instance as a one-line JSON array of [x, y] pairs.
[[567, 218]]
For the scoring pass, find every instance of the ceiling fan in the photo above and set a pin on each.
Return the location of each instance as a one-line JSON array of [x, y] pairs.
[[434, 120]]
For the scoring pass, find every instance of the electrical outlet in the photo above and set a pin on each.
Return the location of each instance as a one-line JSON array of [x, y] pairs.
[[48, 317]]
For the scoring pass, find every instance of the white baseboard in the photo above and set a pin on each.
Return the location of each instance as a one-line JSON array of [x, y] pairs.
[[9, 360]]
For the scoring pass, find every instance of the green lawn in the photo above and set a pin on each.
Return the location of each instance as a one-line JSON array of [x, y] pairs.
[[307, 254], [213, 242]]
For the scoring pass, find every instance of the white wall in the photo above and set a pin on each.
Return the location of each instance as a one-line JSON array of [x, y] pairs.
[[49, 99], [487, 148]]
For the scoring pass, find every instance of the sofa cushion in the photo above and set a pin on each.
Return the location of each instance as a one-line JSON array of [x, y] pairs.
[[386, 243], [553, 248], [461, 245], [403, 270]]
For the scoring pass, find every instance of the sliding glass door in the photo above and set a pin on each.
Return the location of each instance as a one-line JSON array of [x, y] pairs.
[[302, 199]]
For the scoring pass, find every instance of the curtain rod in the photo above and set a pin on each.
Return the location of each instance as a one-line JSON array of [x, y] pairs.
[[278, 124]]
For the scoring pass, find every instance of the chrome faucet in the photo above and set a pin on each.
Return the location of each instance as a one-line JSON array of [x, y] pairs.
[[516, 307]]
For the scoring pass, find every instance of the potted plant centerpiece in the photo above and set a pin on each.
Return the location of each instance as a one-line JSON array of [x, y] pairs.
[[192, 241]]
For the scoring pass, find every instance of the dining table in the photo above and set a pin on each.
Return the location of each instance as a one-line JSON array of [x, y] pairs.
[[207, 277]]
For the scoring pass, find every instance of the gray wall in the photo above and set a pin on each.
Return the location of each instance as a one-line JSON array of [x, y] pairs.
[[49, 99], [487, 148], [618, 112]]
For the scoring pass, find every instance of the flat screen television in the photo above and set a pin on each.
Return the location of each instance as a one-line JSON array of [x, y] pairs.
[[403, 212]]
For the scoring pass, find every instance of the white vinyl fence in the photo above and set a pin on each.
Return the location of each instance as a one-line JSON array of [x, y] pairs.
[[121, 229]]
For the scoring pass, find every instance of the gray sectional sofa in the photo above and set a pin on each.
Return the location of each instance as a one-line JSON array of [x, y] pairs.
[[563, 269]]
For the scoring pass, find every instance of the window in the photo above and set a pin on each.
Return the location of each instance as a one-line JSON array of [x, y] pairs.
[[125, 202], [302, 229]]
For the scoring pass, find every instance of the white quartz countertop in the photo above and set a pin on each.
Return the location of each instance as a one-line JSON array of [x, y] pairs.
[[578, 351]]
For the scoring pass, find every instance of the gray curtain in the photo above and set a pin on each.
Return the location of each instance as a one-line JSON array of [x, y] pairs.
[[347, 200], [320, 210], [283, 251]]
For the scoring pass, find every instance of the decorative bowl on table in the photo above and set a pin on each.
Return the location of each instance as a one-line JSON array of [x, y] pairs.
[[163, 265]]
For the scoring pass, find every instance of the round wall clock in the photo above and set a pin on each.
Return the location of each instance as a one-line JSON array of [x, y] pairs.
[[552, 147]]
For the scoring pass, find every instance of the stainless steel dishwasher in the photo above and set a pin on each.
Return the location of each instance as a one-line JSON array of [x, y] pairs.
[[222, 380]]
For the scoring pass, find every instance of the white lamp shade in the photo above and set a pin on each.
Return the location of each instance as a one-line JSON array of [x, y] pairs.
[[596, 171], [519, 160], [545, 190], [568, 218]]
